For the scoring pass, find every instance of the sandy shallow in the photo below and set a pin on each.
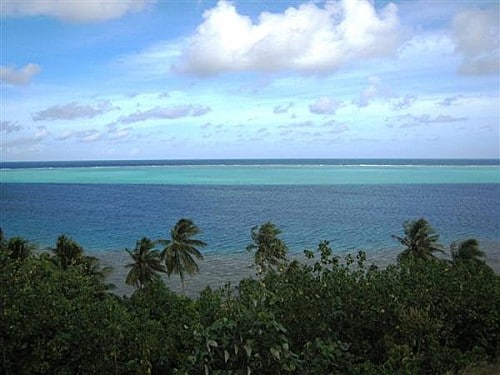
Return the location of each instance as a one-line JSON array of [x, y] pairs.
[[218, 269]]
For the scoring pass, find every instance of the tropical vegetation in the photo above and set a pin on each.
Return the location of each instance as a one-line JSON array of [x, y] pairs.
[[426, 313], [146, 265], [180, 249], [270, 251]]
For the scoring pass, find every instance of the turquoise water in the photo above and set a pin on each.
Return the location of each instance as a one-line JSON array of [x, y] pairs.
[[258, 175], [355, 204]]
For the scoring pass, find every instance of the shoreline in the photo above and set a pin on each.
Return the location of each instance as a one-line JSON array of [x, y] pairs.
[[218, 269]]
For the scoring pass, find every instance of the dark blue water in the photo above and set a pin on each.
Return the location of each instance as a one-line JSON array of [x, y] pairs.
[[132, 163], [113, 217]]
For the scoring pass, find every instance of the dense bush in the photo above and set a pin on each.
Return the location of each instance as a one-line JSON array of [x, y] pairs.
[[325, 316]]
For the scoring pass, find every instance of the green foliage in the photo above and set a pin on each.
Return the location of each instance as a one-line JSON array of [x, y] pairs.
[[469, 255], [67, 252], [241, 335], [181, 249], [146, 265], [270, 251], [167, 323], [19, 248], [328, 315], [420, 240], [57, 321]]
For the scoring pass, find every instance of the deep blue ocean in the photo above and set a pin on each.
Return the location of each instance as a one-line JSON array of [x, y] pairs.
[[107, 217]]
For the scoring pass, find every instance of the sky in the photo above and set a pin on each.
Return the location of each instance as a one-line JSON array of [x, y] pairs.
[[199, 79]]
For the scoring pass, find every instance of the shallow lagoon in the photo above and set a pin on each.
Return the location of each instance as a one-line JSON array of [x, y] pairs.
[[286, 174]]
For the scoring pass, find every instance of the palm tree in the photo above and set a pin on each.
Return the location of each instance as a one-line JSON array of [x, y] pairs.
[[420, 240], [270, 251], [19, 248], [146, 264], [181, 249], [467, 251], [67, 252], [92, 267]]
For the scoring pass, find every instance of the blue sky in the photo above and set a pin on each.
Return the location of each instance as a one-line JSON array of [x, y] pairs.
[[145, 79]]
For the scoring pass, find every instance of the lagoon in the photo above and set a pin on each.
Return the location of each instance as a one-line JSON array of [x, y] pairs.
[[267, 172]]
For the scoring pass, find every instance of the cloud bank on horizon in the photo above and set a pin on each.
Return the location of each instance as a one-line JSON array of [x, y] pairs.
[[152, 79]]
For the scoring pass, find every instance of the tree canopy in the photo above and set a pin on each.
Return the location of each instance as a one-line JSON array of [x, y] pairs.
[[420, 240], [146, 265], [182, 248], [330, 314], [270, 251]]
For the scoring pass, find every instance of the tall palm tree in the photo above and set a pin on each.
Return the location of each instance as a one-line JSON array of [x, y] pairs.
[[146, 264], [270, 251], [181, 249], [19, 248], [467, 251], [420, 240], [67, 252], [93, 267]]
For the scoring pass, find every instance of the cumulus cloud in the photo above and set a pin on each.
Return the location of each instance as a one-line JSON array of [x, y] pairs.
[[307, 38], [168, 113], [477, 37], [324, 106], [72, 111], [18, 77], [10, 127], [74, 11], [369, 92]]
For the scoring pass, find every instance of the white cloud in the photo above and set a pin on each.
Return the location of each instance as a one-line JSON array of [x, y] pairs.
[[93, 135], [18, 77], [324, 106], [307, 38], [477, 38], [115, 133], [31, 143], [74, 10], [86, 136], [335, 127], [409, 120], [168, 113], [369, 92], [73, 111], [403, 103], [450, 100], [151, 63], [10, 127], [41, 133]]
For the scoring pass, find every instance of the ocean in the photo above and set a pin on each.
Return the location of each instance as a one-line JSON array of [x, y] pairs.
[[355, 204]]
